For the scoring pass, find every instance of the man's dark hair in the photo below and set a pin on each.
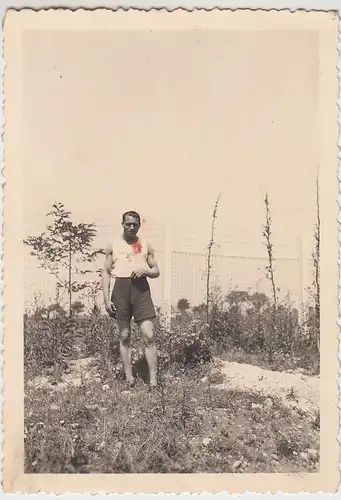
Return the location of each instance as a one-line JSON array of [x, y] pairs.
[[131, 213]]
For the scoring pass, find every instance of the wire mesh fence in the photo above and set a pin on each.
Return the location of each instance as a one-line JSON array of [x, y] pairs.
[[229, 272], [183, 275]]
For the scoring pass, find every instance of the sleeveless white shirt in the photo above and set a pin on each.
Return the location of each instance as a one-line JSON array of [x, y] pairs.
[[127, 257]]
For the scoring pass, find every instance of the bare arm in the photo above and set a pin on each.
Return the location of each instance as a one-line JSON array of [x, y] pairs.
[[153, 271], [108, 262]]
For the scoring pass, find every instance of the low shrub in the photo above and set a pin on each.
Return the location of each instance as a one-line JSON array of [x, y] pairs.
[[187, 345], [281, 336]]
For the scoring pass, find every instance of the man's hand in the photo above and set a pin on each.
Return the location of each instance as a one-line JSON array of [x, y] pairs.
[[111, 309], [109, 306], [138, 273]]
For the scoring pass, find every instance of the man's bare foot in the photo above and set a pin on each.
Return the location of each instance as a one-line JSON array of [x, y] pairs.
[[153, 385], [131, 382]]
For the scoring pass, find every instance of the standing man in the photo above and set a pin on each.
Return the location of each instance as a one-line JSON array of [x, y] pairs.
[[133, 261]]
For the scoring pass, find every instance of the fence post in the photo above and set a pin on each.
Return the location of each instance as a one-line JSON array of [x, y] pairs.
[[167, 281]]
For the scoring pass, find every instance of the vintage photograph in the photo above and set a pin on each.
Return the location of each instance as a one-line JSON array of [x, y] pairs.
[[174, 201]]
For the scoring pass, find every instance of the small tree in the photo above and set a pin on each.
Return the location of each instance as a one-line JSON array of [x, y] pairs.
[[55, 310], [259, 300], [77, 307], [237, 297], [270, 272], [267, 233], [183, 305], [200, 310], [62, 247], [209, 258], [316, 260]]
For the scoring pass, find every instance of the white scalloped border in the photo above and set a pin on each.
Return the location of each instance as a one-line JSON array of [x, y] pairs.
[[322, 7]]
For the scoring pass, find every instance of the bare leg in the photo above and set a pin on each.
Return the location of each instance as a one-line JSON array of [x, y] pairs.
[[146, 329], [125, 350]]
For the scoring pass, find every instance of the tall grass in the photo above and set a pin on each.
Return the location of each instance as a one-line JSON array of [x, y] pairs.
[[239, 321]]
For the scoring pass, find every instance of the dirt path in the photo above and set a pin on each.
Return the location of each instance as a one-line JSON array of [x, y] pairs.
[[81, 371], [294, 389]]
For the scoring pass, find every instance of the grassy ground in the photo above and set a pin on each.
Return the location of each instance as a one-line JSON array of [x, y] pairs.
[[186, 426]]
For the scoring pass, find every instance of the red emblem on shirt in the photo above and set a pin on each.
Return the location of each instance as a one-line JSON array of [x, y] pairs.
[[137, 247]]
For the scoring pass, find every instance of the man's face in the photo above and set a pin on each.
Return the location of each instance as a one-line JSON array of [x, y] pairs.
[[130, 226]]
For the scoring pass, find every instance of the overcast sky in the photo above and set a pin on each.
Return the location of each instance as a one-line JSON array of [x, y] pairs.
[[160, 122]]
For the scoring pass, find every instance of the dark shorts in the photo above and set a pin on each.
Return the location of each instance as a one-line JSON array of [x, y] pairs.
[[132, 299]]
